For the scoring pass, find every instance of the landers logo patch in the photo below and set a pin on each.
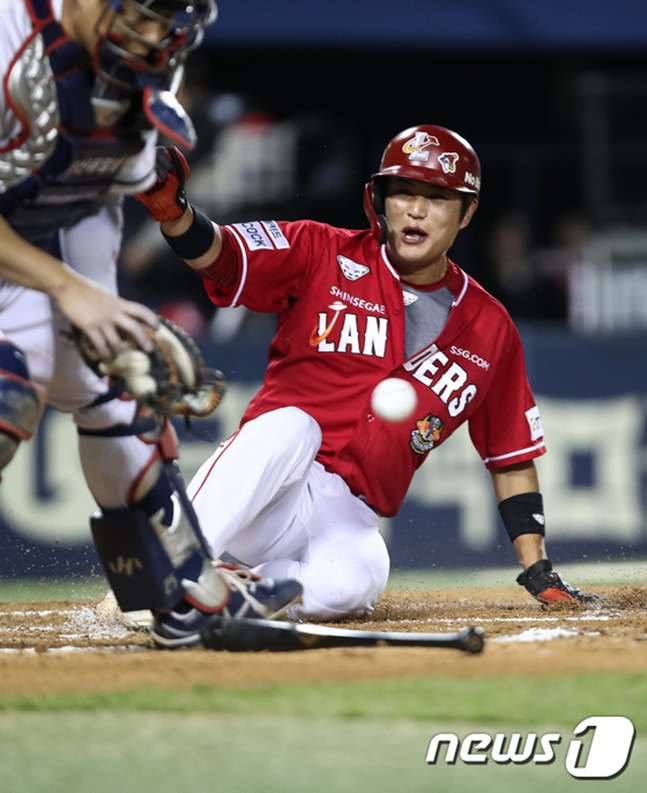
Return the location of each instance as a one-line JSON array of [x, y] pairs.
[[426, 434], [415, 147]]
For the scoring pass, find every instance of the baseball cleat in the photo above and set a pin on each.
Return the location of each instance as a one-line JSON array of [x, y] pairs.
[[179, 627], [251, 597], [255, 597]]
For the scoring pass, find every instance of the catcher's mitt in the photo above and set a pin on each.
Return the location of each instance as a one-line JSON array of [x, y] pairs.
[[172, 379]]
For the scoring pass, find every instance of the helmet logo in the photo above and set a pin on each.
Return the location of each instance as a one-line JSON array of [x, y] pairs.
[[415, 147], [448, 160]]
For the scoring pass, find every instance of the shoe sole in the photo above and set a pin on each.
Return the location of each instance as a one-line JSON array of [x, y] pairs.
[[168, 643]]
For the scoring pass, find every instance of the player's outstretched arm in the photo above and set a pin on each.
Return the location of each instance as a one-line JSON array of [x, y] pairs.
[[522, 510], [102, 316], [189, 233]]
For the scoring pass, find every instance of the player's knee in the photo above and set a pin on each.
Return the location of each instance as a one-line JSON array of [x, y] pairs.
[[303, 423], [20, 402], [345, 587], [294, 427], [335, 602]]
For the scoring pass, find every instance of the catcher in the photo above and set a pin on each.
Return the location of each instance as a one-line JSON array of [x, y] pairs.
[[87, 87]]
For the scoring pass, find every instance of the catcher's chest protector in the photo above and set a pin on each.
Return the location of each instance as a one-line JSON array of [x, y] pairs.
[[60, 154]]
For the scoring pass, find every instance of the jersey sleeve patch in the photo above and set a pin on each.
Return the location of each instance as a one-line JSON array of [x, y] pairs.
[[534, 422], [262, 235]]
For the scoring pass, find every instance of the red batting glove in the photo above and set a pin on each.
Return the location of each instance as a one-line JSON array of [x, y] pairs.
[[166, 199], [546, 586]]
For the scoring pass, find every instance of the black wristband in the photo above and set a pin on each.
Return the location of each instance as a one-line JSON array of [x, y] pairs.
[[523, 514], [196, 240]]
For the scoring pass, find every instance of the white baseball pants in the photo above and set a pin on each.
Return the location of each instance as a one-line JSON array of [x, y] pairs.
[[263, 498], [31, 321]]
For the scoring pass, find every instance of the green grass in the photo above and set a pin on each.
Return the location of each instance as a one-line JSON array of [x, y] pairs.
[[581, 574], [73, 588], [366, 736], [165, 753], [505, 700]]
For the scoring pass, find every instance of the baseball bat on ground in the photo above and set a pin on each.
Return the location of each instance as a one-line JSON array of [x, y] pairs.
[[244, 634]]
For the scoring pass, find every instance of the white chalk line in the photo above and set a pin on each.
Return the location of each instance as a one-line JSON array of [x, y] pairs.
[[85, 620], [96, 629], [588, 617]]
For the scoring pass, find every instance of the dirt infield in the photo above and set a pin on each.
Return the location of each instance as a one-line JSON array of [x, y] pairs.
[[71, 646]]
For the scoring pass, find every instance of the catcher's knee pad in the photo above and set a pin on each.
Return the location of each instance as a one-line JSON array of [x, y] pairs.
[[20, 401], [153, 555]]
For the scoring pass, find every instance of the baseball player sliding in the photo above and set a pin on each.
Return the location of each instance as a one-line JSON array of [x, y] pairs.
[[299, 489], [87, 87]]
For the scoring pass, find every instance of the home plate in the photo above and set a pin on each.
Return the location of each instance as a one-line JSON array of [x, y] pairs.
[[109, 611]]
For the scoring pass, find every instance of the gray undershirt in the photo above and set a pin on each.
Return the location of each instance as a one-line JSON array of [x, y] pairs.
[[424, 317]]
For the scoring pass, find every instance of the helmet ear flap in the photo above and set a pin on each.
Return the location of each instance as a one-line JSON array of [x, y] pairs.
[[374, 210]]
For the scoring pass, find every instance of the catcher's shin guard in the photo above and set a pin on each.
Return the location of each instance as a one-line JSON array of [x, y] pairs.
[[153, 558], [21, 402]]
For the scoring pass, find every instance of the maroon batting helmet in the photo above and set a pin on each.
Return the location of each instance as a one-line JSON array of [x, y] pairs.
[[428, 153]]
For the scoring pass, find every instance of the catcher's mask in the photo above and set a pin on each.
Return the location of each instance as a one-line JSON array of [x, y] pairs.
[[183, 23], [427, 153]]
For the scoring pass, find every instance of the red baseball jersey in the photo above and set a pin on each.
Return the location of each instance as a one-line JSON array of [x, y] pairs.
[[341, 330]]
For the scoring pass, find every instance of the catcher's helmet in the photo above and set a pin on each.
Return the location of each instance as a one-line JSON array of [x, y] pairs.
[[184, 22], [428, 153]]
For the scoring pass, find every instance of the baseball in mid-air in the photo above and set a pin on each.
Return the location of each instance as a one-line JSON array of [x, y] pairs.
[[394, 399]]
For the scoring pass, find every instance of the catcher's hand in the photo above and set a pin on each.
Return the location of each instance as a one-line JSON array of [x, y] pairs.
[[166, 199], [546, 586], [172, 379]]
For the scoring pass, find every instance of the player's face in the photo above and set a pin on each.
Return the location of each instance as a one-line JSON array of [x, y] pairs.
[[423, 221], [142, 33]]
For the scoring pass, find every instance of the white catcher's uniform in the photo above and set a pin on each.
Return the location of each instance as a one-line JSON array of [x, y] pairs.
[[71, 145], [79, 220], [297, 520]]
